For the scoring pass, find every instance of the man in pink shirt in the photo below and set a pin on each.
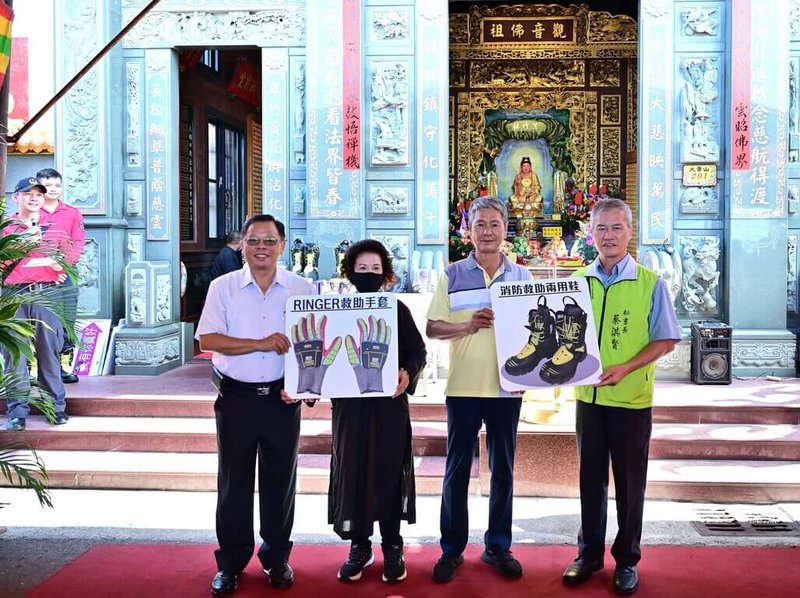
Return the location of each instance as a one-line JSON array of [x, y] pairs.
[[36, 272], [68, 222]]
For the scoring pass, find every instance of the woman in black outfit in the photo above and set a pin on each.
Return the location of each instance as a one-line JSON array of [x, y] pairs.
[[372, 474]]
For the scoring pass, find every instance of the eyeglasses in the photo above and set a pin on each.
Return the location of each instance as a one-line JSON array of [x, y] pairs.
[[268, 241]]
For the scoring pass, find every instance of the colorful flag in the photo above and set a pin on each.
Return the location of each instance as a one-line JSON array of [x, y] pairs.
[[6, 17]]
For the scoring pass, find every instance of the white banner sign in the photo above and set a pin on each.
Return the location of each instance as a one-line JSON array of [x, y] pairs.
[[342, 345], [545, 334]]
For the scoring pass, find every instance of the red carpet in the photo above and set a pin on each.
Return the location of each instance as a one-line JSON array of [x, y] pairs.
[[120, 570]]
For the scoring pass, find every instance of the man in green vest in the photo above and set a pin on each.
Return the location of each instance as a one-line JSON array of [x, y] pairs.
[[636, 324]]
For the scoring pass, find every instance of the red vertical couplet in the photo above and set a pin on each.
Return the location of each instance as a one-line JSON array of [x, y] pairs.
[[740, 86], [351, 84]]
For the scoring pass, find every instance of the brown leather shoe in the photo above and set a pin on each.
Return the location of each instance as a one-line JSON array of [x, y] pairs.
[[580, 570]]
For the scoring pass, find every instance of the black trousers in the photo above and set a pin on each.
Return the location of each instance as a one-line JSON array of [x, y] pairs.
[[624, 435], [250, 425]]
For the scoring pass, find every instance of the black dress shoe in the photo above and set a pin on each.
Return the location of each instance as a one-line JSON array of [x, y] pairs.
[[626, 579], [224, 583], [580, 570], [280, 576], [69, 378]]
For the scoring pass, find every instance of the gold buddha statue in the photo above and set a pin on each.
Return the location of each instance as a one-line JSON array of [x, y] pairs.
[[526, 201]]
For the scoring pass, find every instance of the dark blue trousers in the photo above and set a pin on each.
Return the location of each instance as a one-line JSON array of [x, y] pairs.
[[624, 436], [464, 419]]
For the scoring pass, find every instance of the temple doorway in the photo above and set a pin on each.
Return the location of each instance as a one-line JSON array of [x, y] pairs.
[[220, 158]]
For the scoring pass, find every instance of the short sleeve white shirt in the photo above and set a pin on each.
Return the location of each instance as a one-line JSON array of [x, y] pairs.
[[236, 307]]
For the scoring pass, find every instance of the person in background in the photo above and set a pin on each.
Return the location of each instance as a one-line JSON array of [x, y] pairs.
[[372, 472], [614, 417], [243, 325], [38, 272], [461, 313], [229, 257], [64, 220]]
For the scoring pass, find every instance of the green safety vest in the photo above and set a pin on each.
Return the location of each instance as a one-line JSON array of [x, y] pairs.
[[622, 319]]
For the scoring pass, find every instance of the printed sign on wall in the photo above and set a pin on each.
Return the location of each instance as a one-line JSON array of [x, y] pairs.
[[342, 346], [545, 334]]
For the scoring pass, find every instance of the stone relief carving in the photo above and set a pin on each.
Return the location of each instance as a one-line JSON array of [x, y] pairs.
[[763, 355], [138, 293], [133, 143], [794, 20], [791, 276], [794, 122], [80, 165], [134, 246], [147, 352], [678, 360], [133, 202], [390, 24], [610, 152], [698, 101], [700, 273], [700, 21], [389, 113], [523, 73], [605, 27], [699, 200], [163, 298], [389, 200], [656, 8], [793, 192], [299, 200], [299, 137], [282, 25], [399, 250], [88, 270]]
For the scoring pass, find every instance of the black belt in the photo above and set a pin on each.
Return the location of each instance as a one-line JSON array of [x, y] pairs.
[[34, 286], [222, 382]]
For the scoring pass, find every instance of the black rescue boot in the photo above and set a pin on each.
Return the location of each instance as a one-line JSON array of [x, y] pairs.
[[571, 328], [542, 342]]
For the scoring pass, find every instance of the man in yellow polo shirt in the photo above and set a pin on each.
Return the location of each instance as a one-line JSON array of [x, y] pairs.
[[461, 313]]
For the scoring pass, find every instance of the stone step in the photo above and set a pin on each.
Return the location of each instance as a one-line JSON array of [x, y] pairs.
[[698, 480], [556, 442], [422, 409], [198, 471], [731, 481], [184, 435]]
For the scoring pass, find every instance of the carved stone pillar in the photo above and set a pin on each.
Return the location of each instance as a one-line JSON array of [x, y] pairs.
[[86, 137], [757, 265], [334, 210], [145, 343]]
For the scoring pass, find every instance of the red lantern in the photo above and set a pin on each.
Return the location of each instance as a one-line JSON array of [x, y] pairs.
[[579, 198], [592, 189], [603, 189]]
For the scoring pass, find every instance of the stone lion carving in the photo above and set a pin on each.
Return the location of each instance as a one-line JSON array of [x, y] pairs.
[[700, 273]]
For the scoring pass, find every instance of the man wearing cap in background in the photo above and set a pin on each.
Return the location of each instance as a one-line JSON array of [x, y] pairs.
[[66, 220], [36, 272]]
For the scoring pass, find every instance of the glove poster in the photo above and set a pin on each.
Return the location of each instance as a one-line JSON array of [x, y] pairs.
[[342, 346], [545, 334]]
